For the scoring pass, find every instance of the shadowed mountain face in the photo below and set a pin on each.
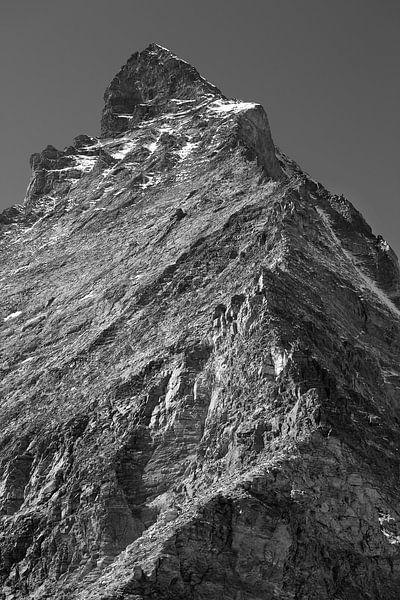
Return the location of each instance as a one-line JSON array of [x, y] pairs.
[[199, 364]]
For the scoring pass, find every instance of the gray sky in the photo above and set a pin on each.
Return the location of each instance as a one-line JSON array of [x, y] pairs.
[[327, 73]]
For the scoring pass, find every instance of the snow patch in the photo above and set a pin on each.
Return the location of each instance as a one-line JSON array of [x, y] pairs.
[[84, 163], [13, 315], [224, 106], [87, 296], [389, 528], [182, 101], [187, 149], [383, 245], [151, 147], [166, 129], [280, 359], [106, 172], [123, 150], [151, 180]]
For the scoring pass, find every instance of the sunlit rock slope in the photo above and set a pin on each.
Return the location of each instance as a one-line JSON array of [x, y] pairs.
[[200, 379]]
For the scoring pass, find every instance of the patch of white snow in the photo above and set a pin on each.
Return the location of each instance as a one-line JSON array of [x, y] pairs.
[[187, 149], [123, 149], [224, 106], [84, 163], [151, 147], [13, 315]]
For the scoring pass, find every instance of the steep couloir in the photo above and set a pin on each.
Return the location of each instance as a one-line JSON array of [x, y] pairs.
[[199, 364]]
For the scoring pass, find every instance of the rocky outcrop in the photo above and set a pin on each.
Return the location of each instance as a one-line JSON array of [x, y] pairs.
[[150, 83], [199, 365], [255, 134]]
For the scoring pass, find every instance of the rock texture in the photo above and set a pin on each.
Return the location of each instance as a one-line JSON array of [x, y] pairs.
[[199, 365]]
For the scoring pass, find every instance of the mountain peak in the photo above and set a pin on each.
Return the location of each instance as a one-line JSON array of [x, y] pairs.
[[199, 367], [158, 110], [146, 84]]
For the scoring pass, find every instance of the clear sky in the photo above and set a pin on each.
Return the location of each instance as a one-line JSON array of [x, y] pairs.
[[326, 71]]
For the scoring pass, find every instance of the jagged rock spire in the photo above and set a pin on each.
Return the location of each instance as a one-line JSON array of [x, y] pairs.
[[145, 85], [155, 91]]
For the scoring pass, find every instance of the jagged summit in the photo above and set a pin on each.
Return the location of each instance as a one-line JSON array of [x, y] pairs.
[[146, 85], [157, 105]]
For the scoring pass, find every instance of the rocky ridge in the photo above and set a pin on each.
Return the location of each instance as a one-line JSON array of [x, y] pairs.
[[199, 364]]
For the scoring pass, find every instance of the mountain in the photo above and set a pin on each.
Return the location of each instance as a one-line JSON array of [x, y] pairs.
[[199, 364]]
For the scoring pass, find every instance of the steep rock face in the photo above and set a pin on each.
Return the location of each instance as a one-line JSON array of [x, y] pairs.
[[200, 350], [145, 87]]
